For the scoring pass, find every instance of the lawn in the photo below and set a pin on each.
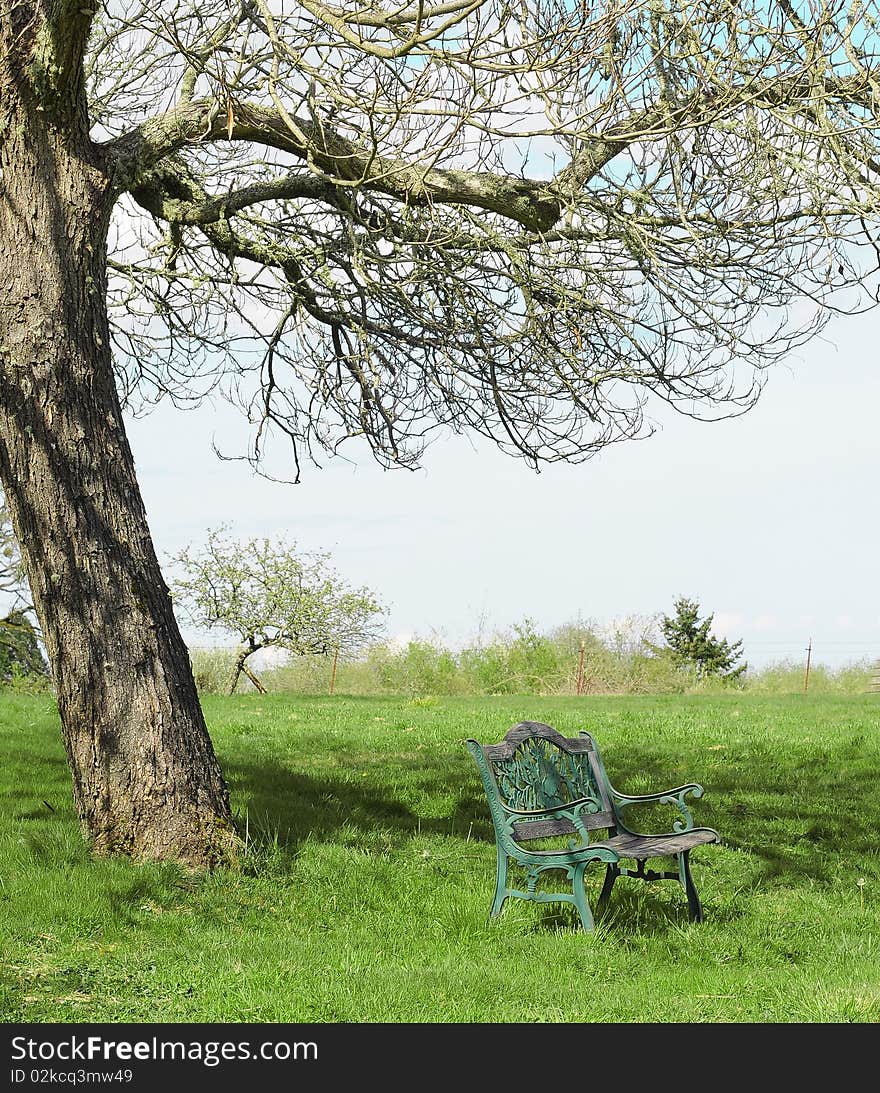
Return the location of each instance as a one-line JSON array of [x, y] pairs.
[[364, 893]]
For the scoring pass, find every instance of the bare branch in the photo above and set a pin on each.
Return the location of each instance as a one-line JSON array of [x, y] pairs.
[[334, 160], [528, 220]]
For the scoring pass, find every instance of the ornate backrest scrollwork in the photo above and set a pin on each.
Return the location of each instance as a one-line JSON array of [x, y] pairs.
[[536, 770], [540, 774], [535, 767]]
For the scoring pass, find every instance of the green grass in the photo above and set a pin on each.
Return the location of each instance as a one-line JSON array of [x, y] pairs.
[[365, 892]]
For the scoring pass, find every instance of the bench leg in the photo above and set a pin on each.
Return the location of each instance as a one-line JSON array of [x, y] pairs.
[[500, 883], [580, 896], [611, 875], [695, 911]]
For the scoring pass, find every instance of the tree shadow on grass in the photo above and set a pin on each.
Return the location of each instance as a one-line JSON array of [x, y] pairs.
[[792, 815], [289, 806], [813, 816]]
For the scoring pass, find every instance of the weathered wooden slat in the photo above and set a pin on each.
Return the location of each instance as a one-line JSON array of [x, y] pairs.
[[658, 846], [543, 829], [527, 730]]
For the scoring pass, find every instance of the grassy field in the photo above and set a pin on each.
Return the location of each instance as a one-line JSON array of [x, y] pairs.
[[365, 890]]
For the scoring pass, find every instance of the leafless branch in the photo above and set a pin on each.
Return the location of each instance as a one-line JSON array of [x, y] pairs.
[[365, 223]]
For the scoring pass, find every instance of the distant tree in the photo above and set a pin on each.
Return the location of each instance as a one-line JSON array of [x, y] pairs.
[[270, 595], [20, 652], [13, 582], [19, 639], [692, 644]]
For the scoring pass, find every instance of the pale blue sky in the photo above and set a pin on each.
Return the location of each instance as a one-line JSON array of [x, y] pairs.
[[770, 520]]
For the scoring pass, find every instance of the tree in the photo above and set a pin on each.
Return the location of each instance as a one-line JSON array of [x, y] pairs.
[[367, 223], [13, 582], [20, 651], [692, 645], [272, 596], [19, 640]]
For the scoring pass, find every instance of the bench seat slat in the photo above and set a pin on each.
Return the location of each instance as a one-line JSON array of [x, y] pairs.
[[544, 829], [656, 846]]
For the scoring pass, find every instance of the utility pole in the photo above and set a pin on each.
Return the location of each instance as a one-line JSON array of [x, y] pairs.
[[580, 675], [807, 673]]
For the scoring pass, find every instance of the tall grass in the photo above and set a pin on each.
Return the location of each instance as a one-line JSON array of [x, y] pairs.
[[526, 661]]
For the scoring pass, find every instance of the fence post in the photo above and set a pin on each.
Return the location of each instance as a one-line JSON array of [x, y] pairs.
[[580, 675]]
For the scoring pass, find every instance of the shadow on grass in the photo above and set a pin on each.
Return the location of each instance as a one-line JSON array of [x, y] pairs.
[[288, 806], [809, 813], [658, 910], [791, 815]]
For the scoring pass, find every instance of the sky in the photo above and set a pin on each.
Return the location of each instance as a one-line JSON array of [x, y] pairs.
[[770, 520]]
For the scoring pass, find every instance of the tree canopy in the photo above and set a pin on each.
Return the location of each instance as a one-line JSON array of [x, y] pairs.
[[523, 219]]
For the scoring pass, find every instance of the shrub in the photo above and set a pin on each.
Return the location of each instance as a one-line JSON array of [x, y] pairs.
[[20, 652], [212, 669], [787, 677], [622, 659]]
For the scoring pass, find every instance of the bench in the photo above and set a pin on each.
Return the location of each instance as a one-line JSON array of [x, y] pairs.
[[541, 785]]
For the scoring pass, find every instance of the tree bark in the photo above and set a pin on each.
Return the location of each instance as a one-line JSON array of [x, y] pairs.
[[240, 667], [146, 780], [236, 671]]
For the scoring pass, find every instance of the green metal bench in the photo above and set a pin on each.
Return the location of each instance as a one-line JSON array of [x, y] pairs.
[[542, 785]]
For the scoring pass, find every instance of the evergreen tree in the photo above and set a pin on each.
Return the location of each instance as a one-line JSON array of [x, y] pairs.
[[692, 644]]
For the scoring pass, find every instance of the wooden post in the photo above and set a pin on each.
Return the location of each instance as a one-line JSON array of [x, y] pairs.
[[333, 673], [580, 675], [807, 673]]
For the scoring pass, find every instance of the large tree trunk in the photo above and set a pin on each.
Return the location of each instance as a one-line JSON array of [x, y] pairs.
[[145, 777]]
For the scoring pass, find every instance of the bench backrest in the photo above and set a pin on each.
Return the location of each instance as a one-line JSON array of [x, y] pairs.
[[535, 768]]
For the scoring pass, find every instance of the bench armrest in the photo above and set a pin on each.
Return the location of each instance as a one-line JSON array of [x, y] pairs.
[[674, 796], [588, 803], [570, 811]]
